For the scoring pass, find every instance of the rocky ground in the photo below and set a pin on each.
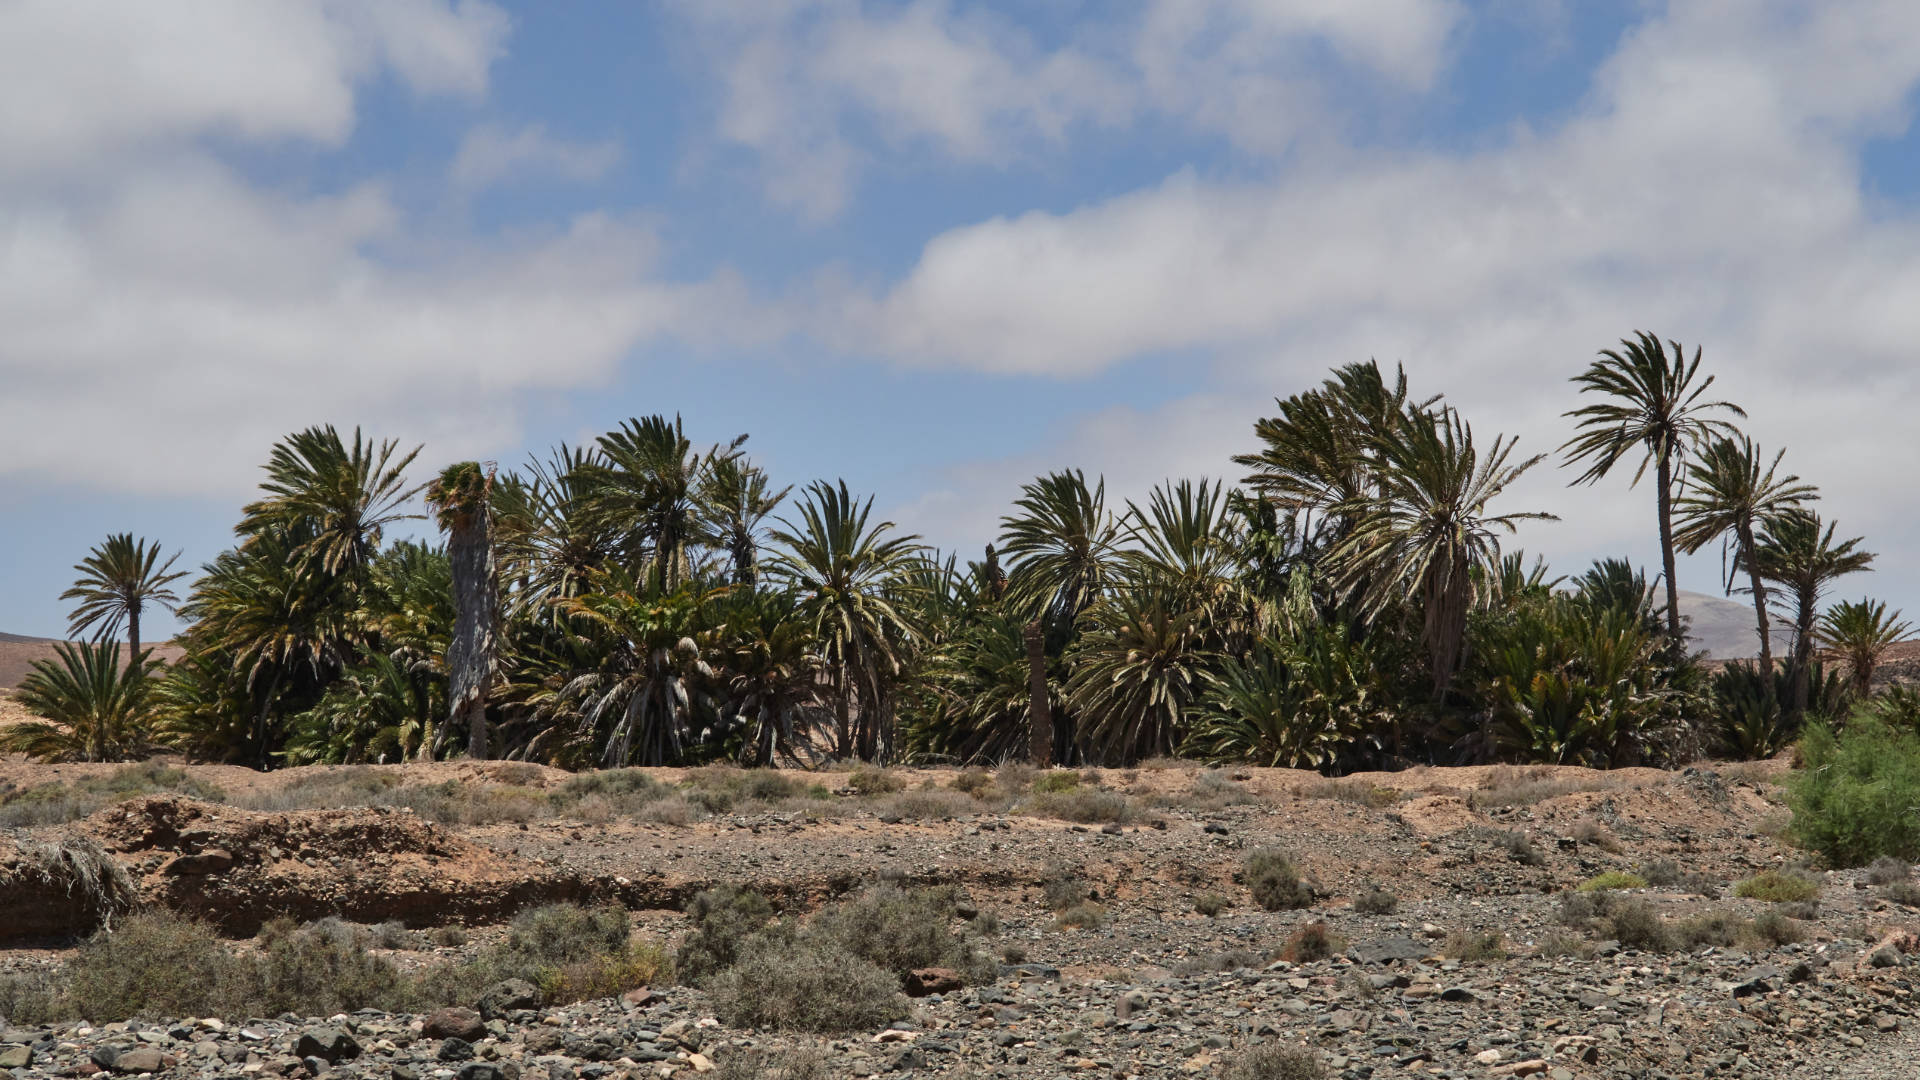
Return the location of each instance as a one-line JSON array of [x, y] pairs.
[[1156, 989]]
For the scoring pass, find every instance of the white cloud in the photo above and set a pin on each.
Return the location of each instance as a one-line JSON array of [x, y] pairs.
[[85, 79], [167, 318], [1708, 189], [800, 76], [489, 155]]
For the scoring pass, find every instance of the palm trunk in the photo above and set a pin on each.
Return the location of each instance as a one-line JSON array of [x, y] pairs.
[[1665, 478], [843, 734], [260, 720], [133, 635], [1759, 605], [1039, 710], [1802, 652], [470, 654]]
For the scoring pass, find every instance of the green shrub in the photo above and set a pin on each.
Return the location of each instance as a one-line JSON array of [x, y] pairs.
[[1272, 1061], [1274, 883], [566, 933], [316, 970], [724, 917], [1056, 782], [155, 964], [1777, 887], [804, 984], [1613, 879], [1853, 800]]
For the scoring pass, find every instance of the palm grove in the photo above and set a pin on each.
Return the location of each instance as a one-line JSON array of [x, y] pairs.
[[646, 600]]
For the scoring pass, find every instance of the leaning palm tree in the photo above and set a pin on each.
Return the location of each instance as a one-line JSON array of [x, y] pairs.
[[118, 579], [92, 709], [337, 499], [460, 497], [1427, 533], [1860, 632], [1731, 495], [1654, 406], [1794, 552], [843, 566]]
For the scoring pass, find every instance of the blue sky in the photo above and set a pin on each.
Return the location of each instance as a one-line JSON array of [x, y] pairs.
[[932, 247]]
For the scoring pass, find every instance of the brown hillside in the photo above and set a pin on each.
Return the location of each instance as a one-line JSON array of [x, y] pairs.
[[18, 653]]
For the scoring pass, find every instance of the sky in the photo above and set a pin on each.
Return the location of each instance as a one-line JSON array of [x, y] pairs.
[[935, 247]]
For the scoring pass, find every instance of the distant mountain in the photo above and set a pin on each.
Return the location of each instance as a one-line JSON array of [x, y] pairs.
[[1724, 627], [21, 639]]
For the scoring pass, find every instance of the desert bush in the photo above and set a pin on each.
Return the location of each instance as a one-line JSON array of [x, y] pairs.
[[1474, 945], [1273, 1061], [1560, 943], [977, 783], [1210, 904], [898, 930], [1274, 882], [937, 805], [155, 964], [1613, 879], [1358, 792], [1591, 832], [1904, 893], [872, 780], [1777, 887], [448, 937], [613, 791], [1312, 941], [1519, 847], [1775, 928], [55, 802], [724, 917], [1056, 782], [29, 999], [804, 984], [804, 1063], [1015, 777], [315, 970], [1376, 901], [1084, 806], [1886, 870], [1853, 800], [1515, 786], [1084, 916], [1716, 928], [1063, 889], [1661, 872], [567, 933], [1635, 925]]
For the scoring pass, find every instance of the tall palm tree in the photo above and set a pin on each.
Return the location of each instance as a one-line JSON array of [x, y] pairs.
[[460, 497], [735, 498], [552, 540], [1427, 533], [842, 565], [1654, 406], [1860, 632], [94, 709], [1796, 553], [1138, 674], [338, 499], [118, 579], [1188, 541], [1064, 549], [650, 483], [1731, 494]]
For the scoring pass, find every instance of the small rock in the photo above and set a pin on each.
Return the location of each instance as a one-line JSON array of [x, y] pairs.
[[16, 1057], [640, 998], [330, 1044], [454, 1050], [143, 1060], [480, 1070], [506, 996], [932, 980]]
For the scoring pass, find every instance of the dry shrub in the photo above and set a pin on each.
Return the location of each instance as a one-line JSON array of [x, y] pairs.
[[1635, 925], [899, 930], [1213, 963], [1519, 847], [923, 805], [1086, 916], [724, 917], [57, 802], [78, 868], [804, 984], [1904, 893], [1886, 870], [1592, 833], [1475, 945], [1273, 1061], [1778, 887], [1349, 790], [1313, 941], [805, 1063], [977, 783], [1560, 943], [1015, 777], [1525, 787], [1274, 882], [1063, 889], [1210, 904], [1084, 806], [872, 780], [1376, 901]]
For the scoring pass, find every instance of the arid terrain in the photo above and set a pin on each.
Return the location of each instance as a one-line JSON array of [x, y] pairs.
[[1479, 967]]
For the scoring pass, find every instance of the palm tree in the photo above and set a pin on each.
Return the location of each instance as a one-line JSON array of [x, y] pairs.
[[1731, 495], [735, 498], [1860, 632], [1655, 407], [1189, 541], [650, 485], [1794, 552], [460, 497], [551, 539], [337, 499], [118, 579], [1427, 534], [1064, 549], [642, 702], [842, 566], [1138, 673], [95, 709]]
